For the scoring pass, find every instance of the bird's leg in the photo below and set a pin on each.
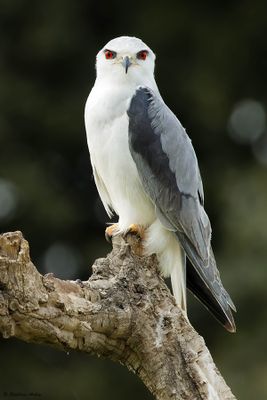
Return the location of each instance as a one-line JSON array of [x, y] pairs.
[[111, 231], [139, 232]]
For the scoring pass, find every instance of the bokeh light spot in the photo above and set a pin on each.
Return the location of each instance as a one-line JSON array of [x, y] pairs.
[[247, 121]]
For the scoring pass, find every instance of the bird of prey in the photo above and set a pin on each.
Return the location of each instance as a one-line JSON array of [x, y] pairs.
[[146, 171]]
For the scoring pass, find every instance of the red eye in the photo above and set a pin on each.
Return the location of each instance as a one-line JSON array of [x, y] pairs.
[[110, 54], [142, 55]]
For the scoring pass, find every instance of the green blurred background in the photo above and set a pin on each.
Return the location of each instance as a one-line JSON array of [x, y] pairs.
[[211, 71]]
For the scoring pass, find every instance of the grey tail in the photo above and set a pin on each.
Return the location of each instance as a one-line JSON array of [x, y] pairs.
[[205, 283], [223, 313]]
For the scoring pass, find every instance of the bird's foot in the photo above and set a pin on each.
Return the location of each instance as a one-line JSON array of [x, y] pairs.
[[110, 232], [139, 232], [135, 229], [134, 236]]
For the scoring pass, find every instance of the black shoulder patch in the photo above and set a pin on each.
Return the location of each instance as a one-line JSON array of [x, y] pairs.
[[143, 140]]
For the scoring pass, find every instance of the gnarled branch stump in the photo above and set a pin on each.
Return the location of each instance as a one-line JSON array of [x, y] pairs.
[[124, 312]]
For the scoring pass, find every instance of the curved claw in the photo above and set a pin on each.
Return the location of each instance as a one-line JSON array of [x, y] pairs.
[[110, 231], [137, 230]]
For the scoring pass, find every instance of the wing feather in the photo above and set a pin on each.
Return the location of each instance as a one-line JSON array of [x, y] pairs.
[[168, 168], [103, 193]]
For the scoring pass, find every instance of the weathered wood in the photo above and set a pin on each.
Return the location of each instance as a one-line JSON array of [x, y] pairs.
[[124, 311]]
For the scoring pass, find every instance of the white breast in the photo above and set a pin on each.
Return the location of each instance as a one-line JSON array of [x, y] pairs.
[[118, 182], [107, 135]]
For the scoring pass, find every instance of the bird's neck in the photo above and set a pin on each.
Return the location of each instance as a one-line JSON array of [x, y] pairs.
[[124, 83], [110, 92], [113, 96]]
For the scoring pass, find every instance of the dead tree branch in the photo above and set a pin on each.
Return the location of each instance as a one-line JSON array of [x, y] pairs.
[[124, 312]]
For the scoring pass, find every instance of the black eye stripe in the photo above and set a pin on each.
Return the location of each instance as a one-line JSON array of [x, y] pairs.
[[111, 52], [140, 54]]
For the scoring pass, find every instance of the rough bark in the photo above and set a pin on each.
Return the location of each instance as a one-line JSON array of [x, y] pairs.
[[124, 311]]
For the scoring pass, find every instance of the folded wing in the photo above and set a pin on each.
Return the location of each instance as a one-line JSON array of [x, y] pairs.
[[168, 168]]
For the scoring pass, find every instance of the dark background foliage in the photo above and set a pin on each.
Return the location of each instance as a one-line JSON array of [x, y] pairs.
[[211, 71]]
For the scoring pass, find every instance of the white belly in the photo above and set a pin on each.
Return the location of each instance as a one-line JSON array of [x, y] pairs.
[[110, 156], [118, 182]]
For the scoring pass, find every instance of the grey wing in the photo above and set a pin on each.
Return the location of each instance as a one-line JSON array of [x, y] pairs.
[[168, 168], [103, 193]]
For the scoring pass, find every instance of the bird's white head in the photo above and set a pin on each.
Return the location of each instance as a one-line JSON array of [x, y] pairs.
[[126, 59]]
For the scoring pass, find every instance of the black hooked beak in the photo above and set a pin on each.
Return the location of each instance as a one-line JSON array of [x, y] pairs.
[[126, 63]]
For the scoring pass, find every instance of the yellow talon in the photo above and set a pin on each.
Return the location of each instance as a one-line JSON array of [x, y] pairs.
[[137, 230], [110, 231], [134, 229]]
